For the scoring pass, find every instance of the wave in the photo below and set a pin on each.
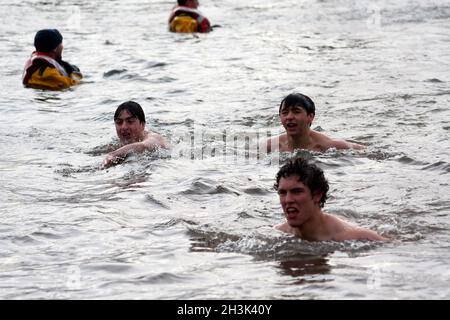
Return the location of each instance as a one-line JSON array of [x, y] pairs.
[[201, 186], [273, 247], [114, 72], [438, 166]]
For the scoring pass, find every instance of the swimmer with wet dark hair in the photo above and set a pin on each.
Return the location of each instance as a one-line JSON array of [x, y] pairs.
[[45, 68], [186, 18], [129, 120], [303, 189], [297, 112]]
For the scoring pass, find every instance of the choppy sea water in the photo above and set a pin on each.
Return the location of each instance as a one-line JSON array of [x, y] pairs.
[[198, 224]]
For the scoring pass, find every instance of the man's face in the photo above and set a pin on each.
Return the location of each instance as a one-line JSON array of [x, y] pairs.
[[295, 119], [129, 129], [296, 200]]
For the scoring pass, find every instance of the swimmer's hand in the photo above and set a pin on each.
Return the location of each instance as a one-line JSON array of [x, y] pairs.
[[111, 160]]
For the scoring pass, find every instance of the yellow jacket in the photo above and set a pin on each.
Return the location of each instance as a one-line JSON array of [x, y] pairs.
[[44, 72]]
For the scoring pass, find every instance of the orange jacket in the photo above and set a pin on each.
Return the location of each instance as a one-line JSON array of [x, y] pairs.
[[202, 21]]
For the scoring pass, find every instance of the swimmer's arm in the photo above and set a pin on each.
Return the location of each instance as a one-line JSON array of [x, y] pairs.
[[325, 142], [116, 156], [342, 144], [366, 234], [149, 144], [285, 228], [72, 70], [155, 141], [288, 229], [356, 146]]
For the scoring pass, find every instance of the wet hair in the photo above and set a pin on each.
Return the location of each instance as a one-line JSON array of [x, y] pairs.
[[308, 173], [133, 108], [298, 100]]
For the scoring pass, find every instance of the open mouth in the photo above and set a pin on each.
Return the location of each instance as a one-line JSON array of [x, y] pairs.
[[125, 138], [291, 212], [291, 125]]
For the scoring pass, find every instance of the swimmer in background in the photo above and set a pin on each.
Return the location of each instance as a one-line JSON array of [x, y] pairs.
[[185, 17], [297, 113], [129, 120], [45, 68], [302, 189]]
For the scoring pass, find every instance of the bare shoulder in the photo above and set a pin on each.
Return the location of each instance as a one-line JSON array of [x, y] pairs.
[[344, 230], [283, 227], [155, 140], [366, 234], [326, 142], [348, 145], [321, 141], [356, 146]]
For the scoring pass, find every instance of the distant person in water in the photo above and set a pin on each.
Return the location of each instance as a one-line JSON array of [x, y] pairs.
[[185, 17], [45, 68], [129, 120], [302, 189], [297, 113]]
